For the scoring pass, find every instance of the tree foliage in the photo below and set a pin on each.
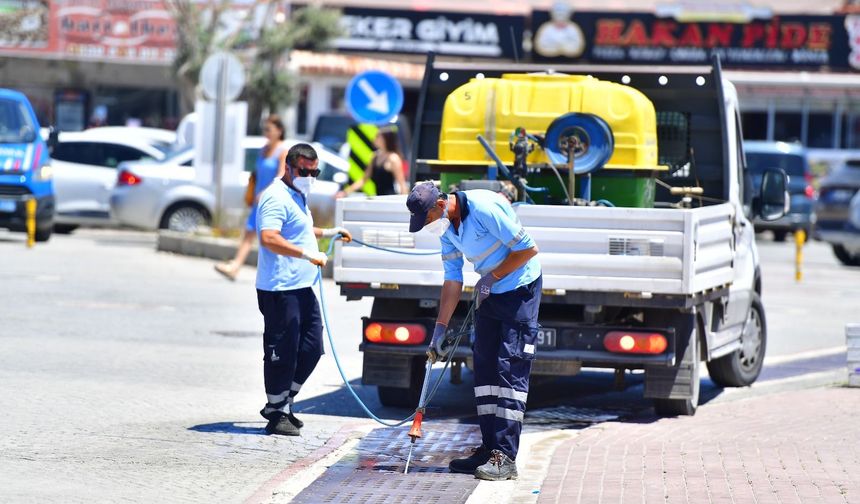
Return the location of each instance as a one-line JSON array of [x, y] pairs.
[[262, 42]]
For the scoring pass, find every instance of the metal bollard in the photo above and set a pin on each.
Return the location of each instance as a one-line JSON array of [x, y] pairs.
[[30, 207], [799, 240]]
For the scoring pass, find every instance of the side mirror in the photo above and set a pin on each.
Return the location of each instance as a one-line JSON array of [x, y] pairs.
[[772, 201], [53, 138]]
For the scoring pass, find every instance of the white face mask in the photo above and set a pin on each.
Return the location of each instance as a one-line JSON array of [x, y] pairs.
[[304, 184], [440, 225]]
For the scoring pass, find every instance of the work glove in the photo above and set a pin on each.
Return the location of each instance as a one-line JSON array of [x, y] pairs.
[[346, 236], [438, 350], [483, 287], [315, 257]]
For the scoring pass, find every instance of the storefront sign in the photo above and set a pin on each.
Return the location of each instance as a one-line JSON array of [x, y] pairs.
[[137, 30], [456, 34], [640, 38]]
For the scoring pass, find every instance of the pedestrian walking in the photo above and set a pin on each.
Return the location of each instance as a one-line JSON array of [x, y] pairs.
[[385, 168], [481, 226], [286, 270], [269, 167]]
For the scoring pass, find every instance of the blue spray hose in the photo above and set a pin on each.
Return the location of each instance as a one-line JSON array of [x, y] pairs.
[[466, 322]]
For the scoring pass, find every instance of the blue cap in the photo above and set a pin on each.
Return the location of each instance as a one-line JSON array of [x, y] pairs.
[[422, 198]]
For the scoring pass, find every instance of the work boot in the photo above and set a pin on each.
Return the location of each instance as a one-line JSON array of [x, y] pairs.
[[479, 457], [500, 467], [282, 425], [274, 413]]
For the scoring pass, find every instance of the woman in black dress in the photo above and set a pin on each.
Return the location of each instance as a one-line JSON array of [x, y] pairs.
[[385, 168]]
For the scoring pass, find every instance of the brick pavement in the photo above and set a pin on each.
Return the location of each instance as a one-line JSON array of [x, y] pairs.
[[792, 447]]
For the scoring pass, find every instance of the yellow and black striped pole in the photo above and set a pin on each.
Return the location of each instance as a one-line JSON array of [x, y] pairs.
[[30, 207], [360, 137]]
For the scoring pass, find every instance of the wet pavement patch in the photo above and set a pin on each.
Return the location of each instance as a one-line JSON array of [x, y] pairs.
[[373, 471]]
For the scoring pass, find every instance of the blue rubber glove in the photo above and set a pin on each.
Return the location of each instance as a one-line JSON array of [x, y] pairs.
[[437, 349], [483, 287]]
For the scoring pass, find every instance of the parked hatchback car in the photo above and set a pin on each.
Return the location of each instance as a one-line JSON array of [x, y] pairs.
[[836, 211], [85, 171], [791, 158], [164, 195]]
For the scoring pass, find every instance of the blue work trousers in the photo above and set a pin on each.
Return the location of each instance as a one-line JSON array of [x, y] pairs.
[[506, 328], [292, 342]]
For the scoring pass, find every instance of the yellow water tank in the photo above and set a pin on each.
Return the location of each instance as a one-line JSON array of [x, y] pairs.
[[495, 107]]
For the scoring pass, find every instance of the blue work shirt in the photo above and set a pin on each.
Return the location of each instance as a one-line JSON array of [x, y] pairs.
[[285, 210], [489, 230]]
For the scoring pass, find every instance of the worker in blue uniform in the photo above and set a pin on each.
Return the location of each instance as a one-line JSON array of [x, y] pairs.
[[286, 269], [482, 227]]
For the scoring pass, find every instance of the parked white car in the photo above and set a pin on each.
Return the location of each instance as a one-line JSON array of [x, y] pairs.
[[85, 170], [165, 195]]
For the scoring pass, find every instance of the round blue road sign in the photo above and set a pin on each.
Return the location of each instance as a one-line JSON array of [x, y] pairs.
[[374, 97]]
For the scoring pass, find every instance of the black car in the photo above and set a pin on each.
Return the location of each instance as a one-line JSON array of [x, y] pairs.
[[791, 158], [838, 212]]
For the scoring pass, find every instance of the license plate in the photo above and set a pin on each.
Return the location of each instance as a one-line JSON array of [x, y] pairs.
[[7, 206], [545, 338]]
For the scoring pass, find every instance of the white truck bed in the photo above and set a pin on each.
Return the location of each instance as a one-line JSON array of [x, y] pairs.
[[594, 249]]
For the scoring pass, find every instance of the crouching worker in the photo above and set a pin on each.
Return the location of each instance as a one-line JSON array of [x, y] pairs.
[[482, 227], [286, 270]]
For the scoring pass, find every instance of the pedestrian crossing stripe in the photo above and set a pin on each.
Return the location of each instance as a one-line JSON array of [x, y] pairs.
[[359, 138]]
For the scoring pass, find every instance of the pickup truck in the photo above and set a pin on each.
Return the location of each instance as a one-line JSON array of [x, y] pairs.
[[659, 288]]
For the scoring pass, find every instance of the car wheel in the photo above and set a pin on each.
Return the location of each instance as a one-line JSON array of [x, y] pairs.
[[845, 256], [741, 367], [185, 218], [42, 235]]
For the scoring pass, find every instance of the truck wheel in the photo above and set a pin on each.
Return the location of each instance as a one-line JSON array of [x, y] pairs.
[[400, 397], [779, 236], [683, 378], [741, 367], [846, 257]]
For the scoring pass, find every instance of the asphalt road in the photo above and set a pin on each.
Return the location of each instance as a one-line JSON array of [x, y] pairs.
[[134, 375]]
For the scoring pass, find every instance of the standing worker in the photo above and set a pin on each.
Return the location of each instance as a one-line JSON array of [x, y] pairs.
[[482, 226], [269, 167], [385, 167], [286, 270]]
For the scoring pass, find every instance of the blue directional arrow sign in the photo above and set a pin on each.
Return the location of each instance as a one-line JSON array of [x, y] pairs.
[[374, 97]]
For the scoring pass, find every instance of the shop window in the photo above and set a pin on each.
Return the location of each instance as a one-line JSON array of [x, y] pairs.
[[754, 125], [302, 111], [337, 99], [820, 132], [787, 127], [851, 131]]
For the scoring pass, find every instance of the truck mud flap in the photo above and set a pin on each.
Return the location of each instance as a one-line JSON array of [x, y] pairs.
[[387, 370], [679, 381]]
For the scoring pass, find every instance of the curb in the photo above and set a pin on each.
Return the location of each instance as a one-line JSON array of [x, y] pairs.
[[344, 434], [209, 247]]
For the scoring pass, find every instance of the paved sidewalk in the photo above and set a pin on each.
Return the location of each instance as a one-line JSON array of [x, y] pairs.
[[792, 447]]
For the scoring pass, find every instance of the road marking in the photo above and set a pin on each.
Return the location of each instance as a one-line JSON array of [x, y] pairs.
[[782, 359]]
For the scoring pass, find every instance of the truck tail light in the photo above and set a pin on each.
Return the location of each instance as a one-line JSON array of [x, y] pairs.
[[635, 342], [395, 333], [127, 178]]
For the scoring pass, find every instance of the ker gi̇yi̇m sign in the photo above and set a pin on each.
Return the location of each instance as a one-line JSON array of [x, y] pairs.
[[455, 34], [784, 41]]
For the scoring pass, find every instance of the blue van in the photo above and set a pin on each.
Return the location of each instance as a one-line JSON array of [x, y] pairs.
[[25, 167]]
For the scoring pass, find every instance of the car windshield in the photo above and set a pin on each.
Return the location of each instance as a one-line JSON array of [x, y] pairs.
[[166, 148], [758, 162], [16, 126], [176, 153]]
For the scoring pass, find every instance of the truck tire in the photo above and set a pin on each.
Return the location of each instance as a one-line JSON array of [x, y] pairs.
[[400, 397], [684, 375], [779, 235], [741, 367], [846, 257]]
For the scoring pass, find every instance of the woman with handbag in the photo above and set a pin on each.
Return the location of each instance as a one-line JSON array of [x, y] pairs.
[[270, 166]]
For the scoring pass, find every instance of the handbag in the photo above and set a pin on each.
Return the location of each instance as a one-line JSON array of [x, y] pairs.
[[249, 191]]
